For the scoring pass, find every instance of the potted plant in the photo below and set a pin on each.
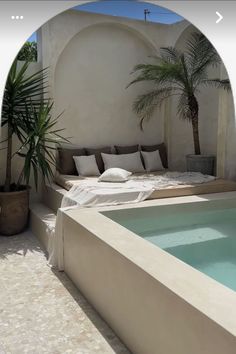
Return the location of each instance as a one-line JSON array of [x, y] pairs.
[[181, 74], [28, 118]]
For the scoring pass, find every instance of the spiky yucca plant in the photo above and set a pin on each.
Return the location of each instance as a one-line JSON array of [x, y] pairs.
[[41, 136], [182, 74], [28, 116]]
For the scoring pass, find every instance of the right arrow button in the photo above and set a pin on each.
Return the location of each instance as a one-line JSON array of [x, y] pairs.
[[220, 17]]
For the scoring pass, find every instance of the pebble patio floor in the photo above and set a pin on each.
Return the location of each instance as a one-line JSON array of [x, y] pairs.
[[41, 311]]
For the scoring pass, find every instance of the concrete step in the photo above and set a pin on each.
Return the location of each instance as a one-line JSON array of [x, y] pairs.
[[52, 196], [42, 220]]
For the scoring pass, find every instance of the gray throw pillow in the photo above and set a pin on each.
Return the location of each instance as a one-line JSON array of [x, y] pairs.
[[126, 149], [64, 161], [129, 162], [86, 165], [162, 150], [97, 153]]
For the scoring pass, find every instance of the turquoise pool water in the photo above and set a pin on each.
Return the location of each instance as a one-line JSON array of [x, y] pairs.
[[205, 239]]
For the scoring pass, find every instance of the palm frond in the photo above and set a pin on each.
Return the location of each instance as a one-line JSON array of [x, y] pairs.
[[146, 104], [170, 55], [218, 83], [41, 130], [19, 90], [161, 74], [201, 55], [182, 71]]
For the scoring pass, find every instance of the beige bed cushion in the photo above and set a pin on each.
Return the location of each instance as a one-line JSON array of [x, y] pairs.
[[67, 181], [216, 186]]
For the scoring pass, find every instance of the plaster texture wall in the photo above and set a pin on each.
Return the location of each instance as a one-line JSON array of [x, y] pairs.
[[90, 86], [90, 58]]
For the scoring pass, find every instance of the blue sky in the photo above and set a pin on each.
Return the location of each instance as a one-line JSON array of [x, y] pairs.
[[33, 38], [132, 9]]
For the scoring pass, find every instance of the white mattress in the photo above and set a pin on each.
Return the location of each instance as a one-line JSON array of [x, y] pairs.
[[68, 181]]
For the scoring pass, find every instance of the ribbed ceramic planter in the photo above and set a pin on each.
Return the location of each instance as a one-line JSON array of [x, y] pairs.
[[14, 211], [201, 163]]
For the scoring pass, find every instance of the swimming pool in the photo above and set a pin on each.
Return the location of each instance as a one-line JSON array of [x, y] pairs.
[[204, 238], [143, 268]]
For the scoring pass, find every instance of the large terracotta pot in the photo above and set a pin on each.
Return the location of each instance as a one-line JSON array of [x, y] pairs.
[[14, 212]]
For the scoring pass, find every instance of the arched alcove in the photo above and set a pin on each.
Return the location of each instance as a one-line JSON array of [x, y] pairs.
[[90, 81]]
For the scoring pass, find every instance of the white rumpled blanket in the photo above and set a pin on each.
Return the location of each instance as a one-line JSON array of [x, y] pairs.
[[91, 193], [172, 179]]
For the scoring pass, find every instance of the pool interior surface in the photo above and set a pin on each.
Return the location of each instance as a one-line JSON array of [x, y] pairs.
[[206, 239]]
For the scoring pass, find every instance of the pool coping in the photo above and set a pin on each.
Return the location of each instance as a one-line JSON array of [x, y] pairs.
[[197, 289]]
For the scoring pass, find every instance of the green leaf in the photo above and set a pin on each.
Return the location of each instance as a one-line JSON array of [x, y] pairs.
[[176, 72]]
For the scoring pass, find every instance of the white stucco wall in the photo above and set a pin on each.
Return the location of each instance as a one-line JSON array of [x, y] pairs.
[[90, 58], [90, 87]]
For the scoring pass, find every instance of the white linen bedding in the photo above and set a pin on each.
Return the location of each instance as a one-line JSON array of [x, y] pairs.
[[159, 179], [171, 179], [92, 193]]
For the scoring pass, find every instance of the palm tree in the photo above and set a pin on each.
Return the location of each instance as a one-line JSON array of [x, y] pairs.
[[180, 74]]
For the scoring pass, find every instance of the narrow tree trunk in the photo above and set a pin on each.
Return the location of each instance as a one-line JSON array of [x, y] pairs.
[[196, 139], [7, 185], [193, 106]]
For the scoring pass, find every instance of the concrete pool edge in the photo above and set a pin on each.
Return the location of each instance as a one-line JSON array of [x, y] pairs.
[[200, 297]]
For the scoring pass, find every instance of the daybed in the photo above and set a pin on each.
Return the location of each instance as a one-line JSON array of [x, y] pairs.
[[66, 175], [216, 186]]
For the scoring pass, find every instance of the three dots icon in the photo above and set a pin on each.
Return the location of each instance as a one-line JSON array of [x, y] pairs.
[[17, 17]]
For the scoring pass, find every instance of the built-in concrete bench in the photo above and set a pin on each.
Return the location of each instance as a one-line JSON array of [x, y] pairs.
[[52, 196], [42, 219]]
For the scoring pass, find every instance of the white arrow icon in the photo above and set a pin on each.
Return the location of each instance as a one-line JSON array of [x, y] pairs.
[[220, 17]]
